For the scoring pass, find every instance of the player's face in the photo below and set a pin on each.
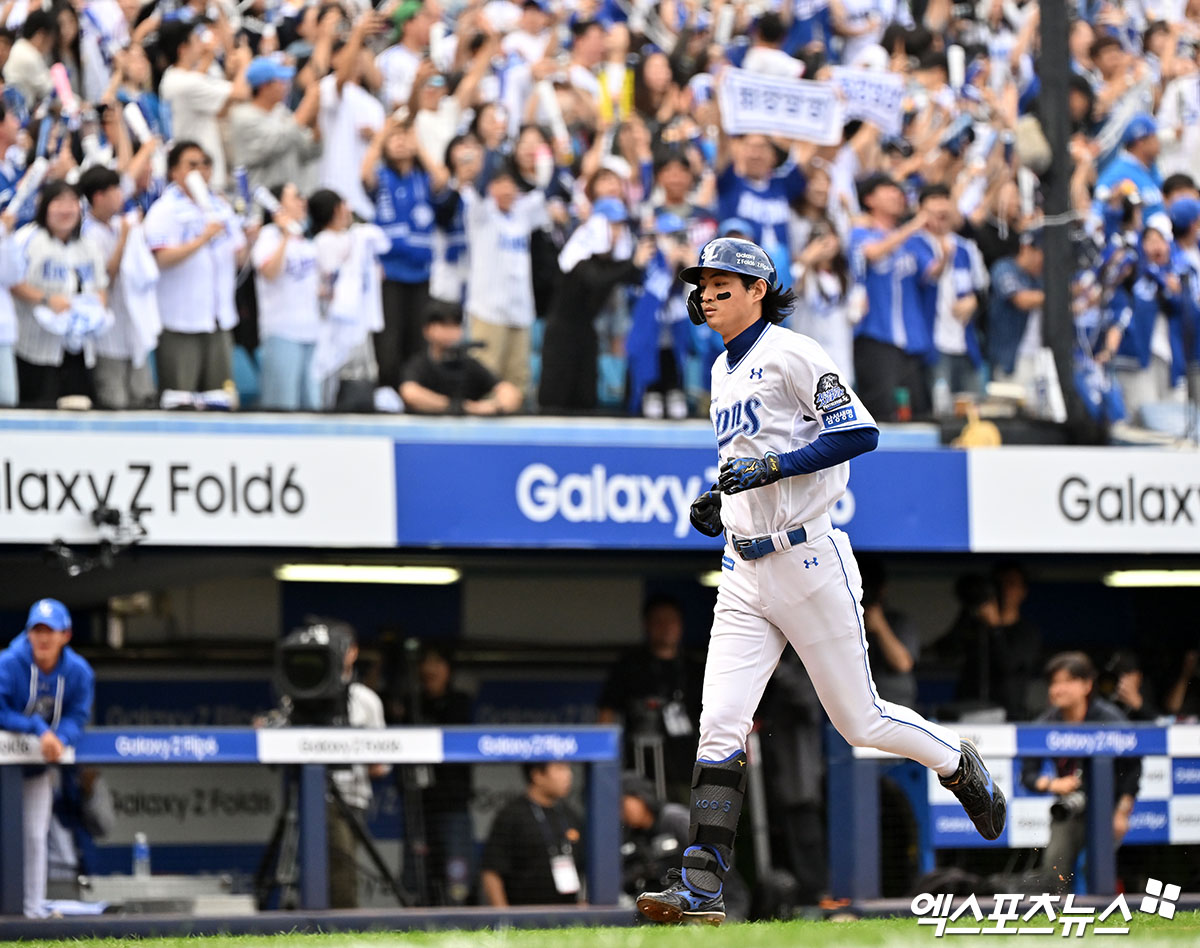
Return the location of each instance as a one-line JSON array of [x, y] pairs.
[[47, 644], [729, 307]]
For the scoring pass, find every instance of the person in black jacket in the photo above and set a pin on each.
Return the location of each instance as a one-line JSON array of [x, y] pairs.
[[600, 255], [1070, 676]]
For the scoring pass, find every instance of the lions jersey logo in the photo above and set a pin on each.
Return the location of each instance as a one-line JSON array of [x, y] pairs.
[[739, 418], [830, 393]]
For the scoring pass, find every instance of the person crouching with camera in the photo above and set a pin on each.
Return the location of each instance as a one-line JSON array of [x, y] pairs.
[[446, 379], [1070, 677]]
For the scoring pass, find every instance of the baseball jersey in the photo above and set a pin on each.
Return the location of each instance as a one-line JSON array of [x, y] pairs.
[[779, 396]]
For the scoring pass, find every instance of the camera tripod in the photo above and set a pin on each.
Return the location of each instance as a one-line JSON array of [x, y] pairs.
[[279, 869]]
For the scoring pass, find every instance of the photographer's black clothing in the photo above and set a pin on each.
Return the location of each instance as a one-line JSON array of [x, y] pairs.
[[459, 377], [1127, 771], [661, 698], [451, 788], [997, 662], [523, 840]]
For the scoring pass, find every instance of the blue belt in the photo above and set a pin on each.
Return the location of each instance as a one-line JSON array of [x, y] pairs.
[[752, 548]]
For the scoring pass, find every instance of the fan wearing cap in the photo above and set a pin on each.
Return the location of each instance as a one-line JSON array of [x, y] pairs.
[[46, 691], [398, 64], [600, 255], [786, 426], [1137, 162], [273, 144]]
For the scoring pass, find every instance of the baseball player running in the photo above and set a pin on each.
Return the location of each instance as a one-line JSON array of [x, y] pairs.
[[786, 426]]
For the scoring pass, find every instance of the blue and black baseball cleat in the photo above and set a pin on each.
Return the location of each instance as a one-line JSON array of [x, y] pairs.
[[980, 797], [678, 903]]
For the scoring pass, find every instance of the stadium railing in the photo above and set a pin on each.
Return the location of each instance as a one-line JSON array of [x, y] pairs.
[[313, 749]]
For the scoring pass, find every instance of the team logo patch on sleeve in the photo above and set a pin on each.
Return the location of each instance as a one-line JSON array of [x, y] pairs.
[[830, 394]]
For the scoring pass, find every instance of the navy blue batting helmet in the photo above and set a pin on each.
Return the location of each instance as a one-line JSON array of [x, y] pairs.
[[733, 255]]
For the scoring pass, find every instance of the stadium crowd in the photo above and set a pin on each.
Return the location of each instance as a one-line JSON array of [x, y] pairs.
[[274, 192]]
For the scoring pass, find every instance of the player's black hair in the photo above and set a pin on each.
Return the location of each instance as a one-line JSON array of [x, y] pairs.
[[777, 305], [1075, 664]]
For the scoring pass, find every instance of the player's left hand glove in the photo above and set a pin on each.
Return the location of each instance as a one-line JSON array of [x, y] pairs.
[[739, 474], [706, 513]]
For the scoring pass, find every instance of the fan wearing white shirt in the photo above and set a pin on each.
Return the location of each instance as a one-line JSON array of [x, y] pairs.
[[289, 317], [398, 63], [192, 245], [766, 56], [196, 98], [349, 117], [120, 383], [500, 278]]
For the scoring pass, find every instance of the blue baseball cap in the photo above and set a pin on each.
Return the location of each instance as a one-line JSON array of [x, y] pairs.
[[49, 612], [612, 209], [733, 255], [264, 69], [1139, 127], [1184, 213], [667, 222]]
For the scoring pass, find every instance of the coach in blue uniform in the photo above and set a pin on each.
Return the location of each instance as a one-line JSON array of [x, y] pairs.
[[45, 690]]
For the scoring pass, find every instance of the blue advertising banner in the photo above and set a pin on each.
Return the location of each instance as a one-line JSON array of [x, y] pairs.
[[1090, 741], [516, 745], [628, 497], [232, 746]]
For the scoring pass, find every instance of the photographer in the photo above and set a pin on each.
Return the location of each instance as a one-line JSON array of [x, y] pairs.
[[446, 379], [355, 705], [1070, 676]]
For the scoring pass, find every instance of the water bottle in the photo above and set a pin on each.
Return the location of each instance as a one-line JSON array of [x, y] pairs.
[[141, 856], [943, 402]]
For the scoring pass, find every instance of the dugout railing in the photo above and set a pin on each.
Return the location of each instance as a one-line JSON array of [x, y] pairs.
[[1171, 806], [313, 749]]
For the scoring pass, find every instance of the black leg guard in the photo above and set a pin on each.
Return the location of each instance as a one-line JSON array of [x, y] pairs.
[[717, 791]]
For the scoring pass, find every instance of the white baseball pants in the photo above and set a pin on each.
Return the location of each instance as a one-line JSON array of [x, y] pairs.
[[809, 596], [38, 798]]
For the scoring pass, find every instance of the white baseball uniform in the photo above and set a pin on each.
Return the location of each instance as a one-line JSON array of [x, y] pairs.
[[779, 396]]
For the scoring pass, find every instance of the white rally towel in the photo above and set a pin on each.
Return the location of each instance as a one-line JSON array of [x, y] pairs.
[[356, 309], [139, 281], [79, 325]]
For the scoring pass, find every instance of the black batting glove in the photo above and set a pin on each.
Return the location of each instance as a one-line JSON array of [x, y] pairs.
[[706, 513], [739, 474]]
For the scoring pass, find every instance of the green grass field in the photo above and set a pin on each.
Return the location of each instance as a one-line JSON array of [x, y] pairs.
[[1145, 930]]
